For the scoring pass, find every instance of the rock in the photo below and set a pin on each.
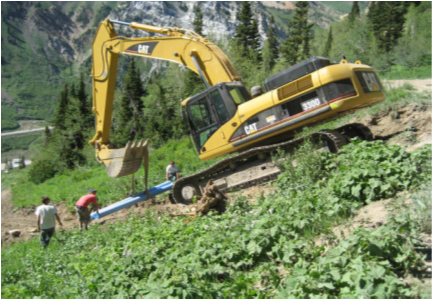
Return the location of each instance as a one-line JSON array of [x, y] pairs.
[[14, 233]]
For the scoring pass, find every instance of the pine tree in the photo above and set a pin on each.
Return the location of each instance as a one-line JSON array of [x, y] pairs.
[[387, 22], [270, 50], [247, 34], [328, 45], [297, 46], [198, 20], [47, 136], [72, 91], [355, 12], [62, 108], [254, 41], [273, 42], [22, 162], [84, 105], [131, 124], [244, 18]]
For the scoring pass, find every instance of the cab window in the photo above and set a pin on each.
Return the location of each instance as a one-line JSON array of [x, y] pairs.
[[220, 106], [203, 121], [239, 94], [201, 114]]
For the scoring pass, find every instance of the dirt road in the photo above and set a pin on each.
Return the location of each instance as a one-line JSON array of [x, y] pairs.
[[419, 84]]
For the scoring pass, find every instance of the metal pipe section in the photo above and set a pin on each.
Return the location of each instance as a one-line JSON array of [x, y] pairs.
[[120, 22], [197, 65], [125, 203]]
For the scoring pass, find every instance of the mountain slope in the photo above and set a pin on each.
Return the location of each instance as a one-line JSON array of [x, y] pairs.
[[45, 44]]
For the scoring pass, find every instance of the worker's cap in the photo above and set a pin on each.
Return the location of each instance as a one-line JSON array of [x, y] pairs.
[[92, 191]]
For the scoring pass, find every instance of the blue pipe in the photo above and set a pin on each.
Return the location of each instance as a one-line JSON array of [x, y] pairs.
[[125, 203]]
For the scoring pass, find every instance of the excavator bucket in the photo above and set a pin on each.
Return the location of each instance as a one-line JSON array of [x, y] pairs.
[[125, 161]]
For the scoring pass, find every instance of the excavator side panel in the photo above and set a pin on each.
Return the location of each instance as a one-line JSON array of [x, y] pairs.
[[316, 97]]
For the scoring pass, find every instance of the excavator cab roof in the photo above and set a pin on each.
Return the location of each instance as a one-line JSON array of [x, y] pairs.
[[237, 89]]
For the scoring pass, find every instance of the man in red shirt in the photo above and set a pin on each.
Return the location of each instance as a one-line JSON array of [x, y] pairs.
[[82, 208]]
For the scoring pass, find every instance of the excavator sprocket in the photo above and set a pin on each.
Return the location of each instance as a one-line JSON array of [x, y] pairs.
[[250, 168], [126, 161]]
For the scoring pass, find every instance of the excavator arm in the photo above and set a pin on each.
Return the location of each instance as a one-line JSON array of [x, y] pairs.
[[182, 46]]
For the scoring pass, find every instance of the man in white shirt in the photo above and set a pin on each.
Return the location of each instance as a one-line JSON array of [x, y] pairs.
[[172, 172], [46, 216]]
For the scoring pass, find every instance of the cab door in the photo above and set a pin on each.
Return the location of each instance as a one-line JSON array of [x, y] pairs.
[[203, 120]]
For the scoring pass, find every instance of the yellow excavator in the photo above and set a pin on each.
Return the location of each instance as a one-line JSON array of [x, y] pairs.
[[226, 118]]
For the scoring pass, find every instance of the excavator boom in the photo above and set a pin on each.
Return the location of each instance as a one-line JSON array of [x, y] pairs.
[[182, 46]]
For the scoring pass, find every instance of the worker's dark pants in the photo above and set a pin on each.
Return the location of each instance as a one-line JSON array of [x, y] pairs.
[[46, 235]]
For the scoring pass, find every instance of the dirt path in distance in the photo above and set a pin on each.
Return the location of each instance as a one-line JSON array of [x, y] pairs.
[[419, 84]]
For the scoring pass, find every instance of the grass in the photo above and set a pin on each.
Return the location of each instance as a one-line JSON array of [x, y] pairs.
[[71, 185], [8, 117], [400, 72], [342, 6], [20, 142]]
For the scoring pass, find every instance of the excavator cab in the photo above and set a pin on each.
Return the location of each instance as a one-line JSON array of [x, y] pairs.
[[209, 110]]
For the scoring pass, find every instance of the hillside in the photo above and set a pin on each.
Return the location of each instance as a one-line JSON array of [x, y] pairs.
[[411, 129], [383, 126], [268, 248]]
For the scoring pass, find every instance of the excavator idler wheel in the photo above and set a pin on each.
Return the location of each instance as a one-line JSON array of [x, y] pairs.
[[189, 191], [359, 130]]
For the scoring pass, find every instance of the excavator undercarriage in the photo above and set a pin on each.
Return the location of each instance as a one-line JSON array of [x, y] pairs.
[[256, 166]]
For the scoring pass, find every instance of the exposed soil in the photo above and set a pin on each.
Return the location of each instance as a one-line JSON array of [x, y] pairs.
[[409, 126]]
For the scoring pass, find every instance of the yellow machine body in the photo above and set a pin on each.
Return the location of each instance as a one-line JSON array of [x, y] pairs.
[[222, 143], [224, 118]]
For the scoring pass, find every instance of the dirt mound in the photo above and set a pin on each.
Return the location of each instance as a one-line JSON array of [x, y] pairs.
[[404, 126]]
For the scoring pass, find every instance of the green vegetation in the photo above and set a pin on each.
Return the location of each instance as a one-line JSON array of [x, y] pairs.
[[268, 249], [282, 18], [41, 74], [400, 72], [247, 37], [343, 6], [19, 142], [9, 117], [296, 47], [71, 184], [362, 38]]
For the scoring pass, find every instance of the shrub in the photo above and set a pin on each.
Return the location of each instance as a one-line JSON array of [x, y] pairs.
[[42, 170], [368, 171]]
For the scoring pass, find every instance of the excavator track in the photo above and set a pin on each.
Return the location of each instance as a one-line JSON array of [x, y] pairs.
[[254, 166]]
